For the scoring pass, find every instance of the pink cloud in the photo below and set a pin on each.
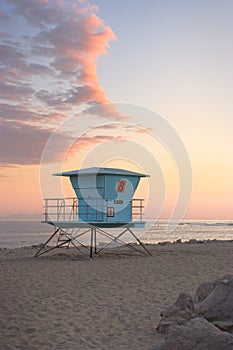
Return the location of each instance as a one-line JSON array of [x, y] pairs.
[[70, 37], [107, 127], [10, 55], [4, 16], [14, 92], [89, 141], [47, 72], [24, 144], [75, 44], [4, 35], [138, 128], [27, 115], [38, 12]]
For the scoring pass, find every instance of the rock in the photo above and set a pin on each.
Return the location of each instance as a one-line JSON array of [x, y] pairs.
[[218, 306], [165, 324], [204, 290], [197, 334], [183, 307], [164, 243], [193, 241], [159, 345], [185, 331], [178, 313], [224, 325]]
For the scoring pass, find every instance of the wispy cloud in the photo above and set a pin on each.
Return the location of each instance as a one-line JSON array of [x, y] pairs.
[[24, 144], [89, 141], [124, 126], [4, 16], [45, 75], [69, 38]]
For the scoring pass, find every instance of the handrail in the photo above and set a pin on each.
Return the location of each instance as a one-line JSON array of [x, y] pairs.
[[69, 208]]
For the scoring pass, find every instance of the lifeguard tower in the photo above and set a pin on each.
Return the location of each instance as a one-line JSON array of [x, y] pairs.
[[104, 201]]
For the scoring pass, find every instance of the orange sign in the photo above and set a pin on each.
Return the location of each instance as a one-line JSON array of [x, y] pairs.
[[121, 186]]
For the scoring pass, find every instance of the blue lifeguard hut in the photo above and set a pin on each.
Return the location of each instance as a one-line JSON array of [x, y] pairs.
[[104, 200]]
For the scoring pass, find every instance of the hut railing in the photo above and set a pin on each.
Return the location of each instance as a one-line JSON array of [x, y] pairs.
[[67, 209], [60, 209], [137, 208]]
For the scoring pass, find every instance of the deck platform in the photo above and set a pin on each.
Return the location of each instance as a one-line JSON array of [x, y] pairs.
[[69, 230], [68, 234]]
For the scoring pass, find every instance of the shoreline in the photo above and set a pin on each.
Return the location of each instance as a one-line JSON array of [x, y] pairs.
[[162, 243], [18, 234]]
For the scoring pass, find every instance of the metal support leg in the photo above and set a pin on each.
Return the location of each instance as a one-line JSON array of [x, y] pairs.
[[91, 243], [95, 241], [121, 242], [70, 238], [45, 244], [140, 242]]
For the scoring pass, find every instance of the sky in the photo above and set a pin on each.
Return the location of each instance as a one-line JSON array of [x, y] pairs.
[[93, 83]]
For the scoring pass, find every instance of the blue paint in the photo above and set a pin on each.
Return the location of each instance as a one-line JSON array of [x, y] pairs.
[[104, 194]]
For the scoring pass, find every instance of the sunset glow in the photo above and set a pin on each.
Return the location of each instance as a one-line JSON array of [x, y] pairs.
[[92, 75]]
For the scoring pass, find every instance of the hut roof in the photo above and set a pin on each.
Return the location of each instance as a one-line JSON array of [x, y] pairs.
[[100, 171]]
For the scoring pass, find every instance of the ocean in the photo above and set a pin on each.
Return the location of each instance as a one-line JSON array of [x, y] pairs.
[[15, 234]]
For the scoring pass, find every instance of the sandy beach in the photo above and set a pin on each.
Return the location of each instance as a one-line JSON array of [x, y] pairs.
[[62, 301]]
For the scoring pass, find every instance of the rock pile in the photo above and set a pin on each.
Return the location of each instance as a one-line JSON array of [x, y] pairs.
[[201, 322], [178, 313]]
